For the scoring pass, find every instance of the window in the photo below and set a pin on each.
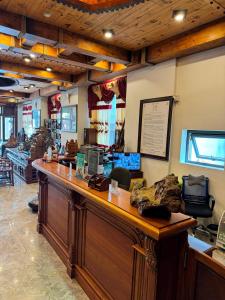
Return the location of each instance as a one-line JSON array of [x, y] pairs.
[[203, 148], [108, 120], [69, 118]]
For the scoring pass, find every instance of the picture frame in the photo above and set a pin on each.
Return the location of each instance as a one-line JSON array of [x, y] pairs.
[[154, 130], [69, 118]]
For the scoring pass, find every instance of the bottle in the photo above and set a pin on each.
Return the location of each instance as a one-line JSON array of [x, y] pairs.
[[49, 156]]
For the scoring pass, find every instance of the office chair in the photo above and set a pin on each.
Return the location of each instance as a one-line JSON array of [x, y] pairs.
[[198, 202], [122, 176]]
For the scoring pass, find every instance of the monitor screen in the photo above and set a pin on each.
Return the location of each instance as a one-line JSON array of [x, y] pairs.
[[130, 161]]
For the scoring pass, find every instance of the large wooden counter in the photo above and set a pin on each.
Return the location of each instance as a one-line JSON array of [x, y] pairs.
[[112, 251]]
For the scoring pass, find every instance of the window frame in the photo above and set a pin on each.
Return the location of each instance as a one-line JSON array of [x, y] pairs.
[[203, 134]]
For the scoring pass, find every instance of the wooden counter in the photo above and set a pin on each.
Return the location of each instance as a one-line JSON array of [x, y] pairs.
[[112, 251]]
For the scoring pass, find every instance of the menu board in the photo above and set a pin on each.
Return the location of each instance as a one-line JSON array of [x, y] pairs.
[[154, 127], [80, 165]]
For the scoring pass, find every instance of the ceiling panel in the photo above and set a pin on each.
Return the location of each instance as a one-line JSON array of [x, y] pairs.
[[15, 57], [134, 28]]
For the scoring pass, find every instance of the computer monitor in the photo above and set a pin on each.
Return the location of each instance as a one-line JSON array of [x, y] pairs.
[[130, 161]]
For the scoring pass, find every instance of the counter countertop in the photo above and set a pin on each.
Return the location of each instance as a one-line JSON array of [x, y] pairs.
[[118, 204]]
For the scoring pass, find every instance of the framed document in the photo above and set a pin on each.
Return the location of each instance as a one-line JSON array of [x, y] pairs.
[[154, 127]]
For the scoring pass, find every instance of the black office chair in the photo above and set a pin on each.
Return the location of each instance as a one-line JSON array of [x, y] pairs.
[[198, 202], [122, 176]]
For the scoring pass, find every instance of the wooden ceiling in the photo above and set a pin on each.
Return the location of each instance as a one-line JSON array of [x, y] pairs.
[[71, 42], [135, 27]]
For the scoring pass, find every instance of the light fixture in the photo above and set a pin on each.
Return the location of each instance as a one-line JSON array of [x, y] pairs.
[[179, 15], [32, 85], [11, 91], [26, 87], [108, 33], [48, 69], [27, 59], [32, 55], [47, 14]]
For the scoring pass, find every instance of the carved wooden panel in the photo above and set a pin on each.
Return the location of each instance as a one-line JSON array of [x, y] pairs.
[[109, 256], [58, 212]]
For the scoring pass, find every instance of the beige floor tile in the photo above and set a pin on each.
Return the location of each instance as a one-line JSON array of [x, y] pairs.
[[29, 267]]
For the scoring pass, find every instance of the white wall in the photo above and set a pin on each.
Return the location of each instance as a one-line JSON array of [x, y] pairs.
[[151, 82], [198, 81], [83, 119], [200, 86], [77, 97], [69, 100]]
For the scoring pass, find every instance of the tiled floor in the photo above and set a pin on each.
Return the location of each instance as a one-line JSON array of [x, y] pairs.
[[29, 267]]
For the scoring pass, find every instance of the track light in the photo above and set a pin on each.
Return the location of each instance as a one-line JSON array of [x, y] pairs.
[[32, 55], [27, 59]]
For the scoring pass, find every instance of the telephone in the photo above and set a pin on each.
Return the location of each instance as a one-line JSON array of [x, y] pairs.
[[99, 183]]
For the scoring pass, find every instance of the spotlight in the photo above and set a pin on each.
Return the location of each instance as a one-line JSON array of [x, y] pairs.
[[48, 69], [108, 33], [32, 85], [179, 15], [47, 14], [27, 59], [32, 55]]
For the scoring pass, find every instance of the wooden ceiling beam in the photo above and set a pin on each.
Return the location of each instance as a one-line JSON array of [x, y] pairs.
[[206, 37], [4, 93], [47, 52], [34, 72], [39, 32], [95, 76]]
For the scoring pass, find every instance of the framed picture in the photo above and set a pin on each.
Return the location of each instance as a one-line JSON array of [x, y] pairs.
[[155, 127], [36, 118], [69, 118]]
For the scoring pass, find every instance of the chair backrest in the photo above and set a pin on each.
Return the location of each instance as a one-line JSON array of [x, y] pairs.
[[122, 176], [198, 193]]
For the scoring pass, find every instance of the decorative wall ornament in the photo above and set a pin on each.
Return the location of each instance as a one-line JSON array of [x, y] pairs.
[[105, 91], [99, 6]]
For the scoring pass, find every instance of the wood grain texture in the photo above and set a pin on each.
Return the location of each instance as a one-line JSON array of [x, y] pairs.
[[204, 277], [135, 27], [118, 204], [109, 254]]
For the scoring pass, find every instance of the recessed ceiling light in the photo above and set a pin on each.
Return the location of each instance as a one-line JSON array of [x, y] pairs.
[[108, 33], [179, 15], [48, 69], [27, 59], [11, 91], [47, 14], [32, 85], [32, 55], [26, 87]]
